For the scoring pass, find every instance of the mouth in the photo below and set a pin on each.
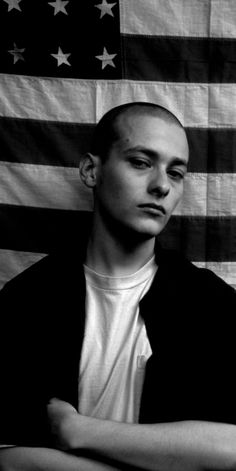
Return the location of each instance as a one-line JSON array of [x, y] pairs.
[[153, 208]]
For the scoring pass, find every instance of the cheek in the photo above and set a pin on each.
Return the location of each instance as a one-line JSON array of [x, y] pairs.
[[116, 187], [178, 192], [110, 193], [177, 195]]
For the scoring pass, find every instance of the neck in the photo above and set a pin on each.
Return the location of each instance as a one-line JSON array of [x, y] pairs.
[[117, 257]]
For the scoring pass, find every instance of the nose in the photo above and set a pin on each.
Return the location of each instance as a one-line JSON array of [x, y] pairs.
[[159, 183]]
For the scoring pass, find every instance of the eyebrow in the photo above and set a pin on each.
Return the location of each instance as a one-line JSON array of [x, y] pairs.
[[152, 154]]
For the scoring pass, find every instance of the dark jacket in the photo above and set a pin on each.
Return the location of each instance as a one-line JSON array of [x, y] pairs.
[[189, 315]]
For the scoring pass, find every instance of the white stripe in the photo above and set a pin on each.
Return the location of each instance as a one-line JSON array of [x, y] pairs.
[[46, 98], [226, 270], [43, 186], [68, 100], [188, 18], [208, 195], [61, 188], [12, 262]]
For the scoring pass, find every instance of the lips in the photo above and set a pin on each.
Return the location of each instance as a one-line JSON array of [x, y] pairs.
[[154, 207]]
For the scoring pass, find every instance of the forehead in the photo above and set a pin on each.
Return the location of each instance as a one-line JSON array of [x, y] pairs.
[[150, 130]]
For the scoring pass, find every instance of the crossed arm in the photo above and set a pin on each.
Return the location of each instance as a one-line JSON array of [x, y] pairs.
[[187, 445]]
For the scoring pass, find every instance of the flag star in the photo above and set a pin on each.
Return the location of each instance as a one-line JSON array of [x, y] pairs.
[[105, 8], [17, 54], [61, 57], [106, 58], [59, 5], [13, 4]]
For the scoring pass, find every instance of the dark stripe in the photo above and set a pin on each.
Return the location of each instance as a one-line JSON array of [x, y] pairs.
[[43, 142], [62, 144], [40, 230], [212, 150], [200, 238], [44, 230], [179, 59]]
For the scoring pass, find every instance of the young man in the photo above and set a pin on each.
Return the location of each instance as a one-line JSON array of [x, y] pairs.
[[121, 355]]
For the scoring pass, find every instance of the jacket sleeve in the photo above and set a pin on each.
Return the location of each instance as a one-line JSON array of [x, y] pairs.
[[23, 357], [190, 318]]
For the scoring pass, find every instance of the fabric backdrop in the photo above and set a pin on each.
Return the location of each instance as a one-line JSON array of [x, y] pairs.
[[63, 64]]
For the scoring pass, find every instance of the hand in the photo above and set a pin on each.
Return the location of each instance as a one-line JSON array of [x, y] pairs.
[[71, 430], [62, 417]]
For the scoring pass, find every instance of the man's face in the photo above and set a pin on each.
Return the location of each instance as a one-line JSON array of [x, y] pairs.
[[141, 181]]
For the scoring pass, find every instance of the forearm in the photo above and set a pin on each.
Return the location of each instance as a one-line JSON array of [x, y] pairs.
[[188, 446], [47, 459]]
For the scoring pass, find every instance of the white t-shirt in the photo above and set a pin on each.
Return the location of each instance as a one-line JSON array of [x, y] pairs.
[[116, 347]]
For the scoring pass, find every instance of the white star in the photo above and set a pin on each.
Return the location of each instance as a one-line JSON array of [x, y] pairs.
[[105, 8], [61, 57], [13, 4], [106, 58], [59, 5], [17, 54]]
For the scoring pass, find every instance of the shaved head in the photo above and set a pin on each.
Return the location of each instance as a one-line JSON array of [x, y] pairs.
[[108, 131]]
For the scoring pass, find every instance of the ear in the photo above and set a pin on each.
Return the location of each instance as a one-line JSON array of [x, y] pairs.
[[88, 168]]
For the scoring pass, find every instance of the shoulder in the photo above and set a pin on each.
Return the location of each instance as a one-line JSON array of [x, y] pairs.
[[192, 277], [40, 296], [48, 274], [39, 270]]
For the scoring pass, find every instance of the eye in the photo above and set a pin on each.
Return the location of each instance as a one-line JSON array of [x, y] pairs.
[[176, 174], [139, 163]]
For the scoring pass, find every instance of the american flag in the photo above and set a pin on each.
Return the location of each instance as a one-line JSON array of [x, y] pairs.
[[63, 64]]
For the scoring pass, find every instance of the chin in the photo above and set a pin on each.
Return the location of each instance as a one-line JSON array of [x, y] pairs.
[[149, 230], [142, 229]]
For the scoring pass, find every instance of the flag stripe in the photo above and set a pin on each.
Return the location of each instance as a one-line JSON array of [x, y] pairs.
[[62, 144], [202, 239], [196, 105], [41, 230], [212, 150], [179, 59], [49, 99], [43, 186], [43, 142], [208, 195], [62, 188], [191, 18]]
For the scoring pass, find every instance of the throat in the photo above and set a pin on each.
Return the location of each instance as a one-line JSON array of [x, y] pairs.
[[112, 258]]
